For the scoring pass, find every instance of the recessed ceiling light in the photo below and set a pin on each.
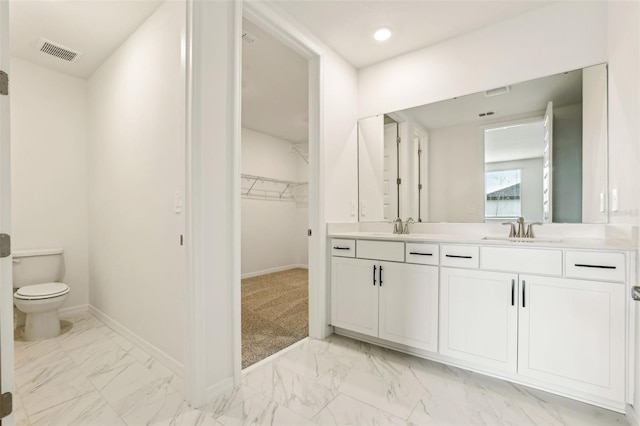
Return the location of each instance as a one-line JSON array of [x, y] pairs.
[[382, 34]]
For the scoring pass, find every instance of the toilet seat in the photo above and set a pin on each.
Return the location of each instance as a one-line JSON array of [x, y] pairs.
[[41, 291]]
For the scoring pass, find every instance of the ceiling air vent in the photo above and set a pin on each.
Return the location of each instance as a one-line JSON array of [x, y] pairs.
[[59, 51], [497, 91]]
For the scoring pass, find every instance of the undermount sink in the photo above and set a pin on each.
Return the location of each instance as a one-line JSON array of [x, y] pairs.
[[524, 240]]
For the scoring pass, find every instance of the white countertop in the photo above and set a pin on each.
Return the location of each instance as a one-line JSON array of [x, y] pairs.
[[494, 240]]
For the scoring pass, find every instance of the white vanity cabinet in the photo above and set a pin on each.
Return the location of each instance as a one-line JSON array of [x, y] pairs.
[[394, 301], [408, 305], [552, 317], [354, 294], [572, 334], [479, 317]]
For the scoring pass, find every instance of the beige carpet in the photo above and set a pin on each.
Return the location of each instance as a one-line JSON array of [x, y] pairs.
[[275, 313]]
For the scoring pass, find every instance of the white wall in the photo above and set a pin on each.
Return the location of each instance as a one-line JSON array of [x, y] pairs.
[[371, 168], [271, 230], [624, 109], [560, 37], [594, 151], [340, 138], [136, 164], [456, 174], [48, 168]]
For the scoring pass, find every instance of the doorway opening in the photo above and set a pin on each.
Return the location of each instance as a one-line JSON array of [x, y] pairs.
[[274, 195]]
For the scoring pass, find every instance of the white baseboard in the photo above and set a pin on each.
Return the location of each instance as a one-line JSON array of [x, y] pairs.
[[632, 416], [272, 270], [143, 344], [220, 388], [72, 311]]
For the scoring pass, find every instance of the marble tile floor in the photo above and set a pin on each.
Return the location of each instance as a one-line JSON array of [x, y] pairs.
[[92, 376]]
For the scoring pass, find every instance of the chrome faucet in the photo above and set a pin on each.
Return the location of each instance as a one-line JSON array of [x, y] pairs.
[[530, 229], [512, 229], [409, 221], [397, 226], [521, 233], [524, 231]]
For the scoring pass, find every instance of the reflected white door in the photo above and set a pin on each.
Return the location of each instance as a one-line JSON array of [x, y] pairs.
[[547, 170], [6, 287]]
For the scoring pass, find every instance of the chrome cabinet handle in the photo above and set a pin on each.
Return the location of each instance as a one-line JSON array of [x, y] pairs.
[[513, 292], [523, 294]]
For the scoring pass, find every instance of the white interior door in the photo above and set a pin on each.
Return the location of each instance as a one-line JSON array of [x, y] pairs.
[[6, 287], [547, 171]]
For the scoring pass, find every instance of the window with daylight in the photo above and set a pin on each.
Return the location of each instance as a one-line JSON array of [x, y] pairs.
[[503, 196]]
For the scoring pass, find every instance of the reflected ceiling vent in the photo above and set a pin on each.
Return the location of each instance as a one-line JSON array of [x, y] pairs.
[[247, 37], [56, 49], [497, 91]]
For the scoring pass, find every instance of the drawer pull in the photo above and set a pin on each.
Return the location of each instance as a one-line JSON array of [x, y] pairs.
[[459, 257], [584, 265], [341, 248], [420, 254], [374, 275], [380, 275]]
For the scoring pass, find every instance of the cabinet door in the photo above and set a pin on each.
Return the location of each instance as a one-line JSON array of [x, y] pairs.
[[479, 317], [354, 297], [572, 334], [409, 305]]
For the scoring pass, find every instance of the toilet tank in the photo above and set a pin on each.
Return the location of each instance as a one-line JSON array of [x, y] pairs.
[[37, 266]]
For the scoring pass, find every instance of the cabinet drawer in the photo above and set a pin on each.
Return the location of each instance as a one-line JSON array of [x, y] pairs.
[[593, 265], [381, 250], [459, 256], [343, 248], [424, 254], [526, 261]]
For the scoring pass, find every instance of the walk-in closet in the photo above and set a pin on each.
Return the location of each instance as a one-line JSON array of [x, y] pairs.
[[274, 190]]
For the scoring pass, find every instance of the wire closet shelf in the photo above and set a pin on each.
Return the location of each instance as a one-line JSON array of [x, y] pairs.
[[265, 188]]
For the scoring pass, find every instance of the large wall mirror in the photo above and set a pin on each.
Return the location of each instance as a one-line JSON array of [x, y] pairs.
[[536, 149]]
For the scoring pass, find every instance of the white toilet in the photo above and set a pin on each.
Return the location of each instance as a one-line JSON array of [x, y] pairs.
[[40, 292]]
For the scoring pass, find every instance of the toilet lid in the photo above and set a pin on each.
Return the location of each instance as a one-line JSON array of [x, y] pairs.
[[41, 291]]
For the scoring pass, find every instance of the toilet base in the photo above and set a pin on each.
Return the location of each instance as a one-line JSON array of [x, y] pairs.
[[41, 325]]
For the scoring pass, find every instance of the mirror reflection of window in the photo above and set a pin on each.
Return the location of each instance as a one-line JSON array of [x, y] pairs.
[[514, 154], [502, 194]]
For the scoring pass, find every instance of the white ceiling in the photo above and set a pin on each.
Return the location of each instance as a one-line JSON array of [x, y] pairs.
[[348, 26], [526, 98], [274, 87], [516, 142], [94, 27]]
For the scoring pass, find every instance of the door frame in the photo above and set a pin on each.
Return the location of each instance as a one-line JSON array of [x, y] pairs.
[[213, 151], [301, 43], [7, 369]]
